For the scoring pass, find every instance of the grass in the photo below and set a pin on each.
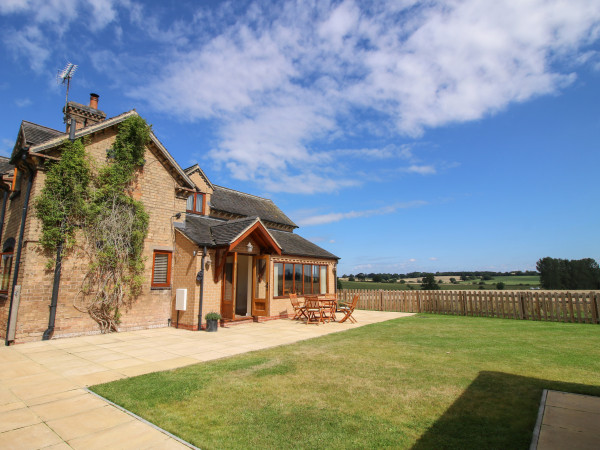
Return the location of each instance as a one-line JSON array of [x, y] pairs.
[[420, 382], [510, 282]]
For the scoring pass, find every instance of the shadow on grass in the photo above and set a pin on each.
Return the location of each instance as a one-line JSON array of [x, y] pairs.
[[497, 410]]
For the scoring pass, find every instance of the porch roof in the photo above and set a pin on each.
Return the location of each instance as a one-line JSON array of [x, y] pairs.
[[209, 232]]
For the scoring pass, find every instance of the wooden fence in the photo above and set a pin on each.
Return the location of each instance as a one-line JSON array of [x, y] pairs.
[[552, 306]]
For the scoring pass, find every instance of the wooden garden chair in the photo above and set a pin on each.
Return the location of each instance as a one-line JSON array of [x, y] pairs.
[[348, 310], [314, 311], [299, 310]]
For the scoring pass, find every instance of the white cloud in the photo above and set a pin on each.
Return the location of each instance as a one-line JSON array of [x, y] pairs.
[[433, 258], [412, 260], [321, 219], [282, 78], [282, 82], [421, 169], [23, 102], [6, 147]]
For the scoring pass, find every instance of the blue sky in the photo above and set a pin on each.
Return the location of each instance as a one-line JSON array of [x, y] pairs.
[[400, 135]]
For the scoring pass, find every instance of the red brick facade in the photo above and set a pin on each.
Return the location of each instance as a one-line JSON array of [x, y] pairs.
[[163, 193]]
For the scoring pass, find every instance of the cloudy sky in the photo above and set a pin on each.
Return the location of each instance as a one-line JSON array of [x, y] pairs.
[[400, 135]]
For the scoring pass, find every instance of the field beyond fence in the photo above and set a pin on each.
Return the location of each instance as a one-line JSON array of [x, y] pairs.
[[552, 306]]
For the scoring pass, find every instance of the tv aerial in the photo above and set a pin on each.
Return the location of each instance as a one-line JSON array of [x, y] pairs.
[[64, 76]]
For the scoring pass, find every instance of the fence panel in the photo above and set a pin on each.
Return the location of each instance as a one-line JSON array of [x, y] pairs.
[[550, 306]]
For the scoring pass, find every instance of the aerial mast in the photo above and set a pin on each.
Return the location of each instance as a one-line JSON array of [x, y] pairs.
[[63, 77]]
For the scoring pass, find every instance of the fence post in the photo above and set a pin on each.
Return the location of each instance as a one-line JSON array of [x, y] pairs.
[[594, 306], [521, 306], [419, 302]]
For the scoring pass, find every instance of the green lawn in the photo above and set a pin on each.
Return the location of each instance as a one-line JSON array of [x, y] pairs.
[[421, 382]]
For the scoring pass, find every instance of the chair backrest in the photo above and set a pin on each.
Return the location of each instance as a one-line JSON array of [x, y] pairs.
[[294, 300], [311, 301], [355, 301]]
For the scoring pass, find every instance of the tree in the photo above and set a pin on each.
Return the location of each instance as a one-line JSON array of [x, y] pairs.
[[351, 278], [500, 285], [377, 278], [402, 281], [428, 283], [568, 274], [339, 284], [453, 281]]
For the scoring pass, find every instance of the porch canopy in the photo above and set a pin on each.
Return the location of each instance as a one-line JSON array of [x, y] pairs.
[[215, 233], [226, 235]]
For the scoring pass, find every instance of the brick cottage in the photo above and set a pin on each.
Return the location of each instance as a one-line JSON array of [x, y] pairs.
[[223, 250]]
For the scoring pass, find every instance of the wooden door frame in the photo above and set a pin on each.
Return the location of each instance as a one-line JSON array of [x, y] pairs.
[[267, 299]]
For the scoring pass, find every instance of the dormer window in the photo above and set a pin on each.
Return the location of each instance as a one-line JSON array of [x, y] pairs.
[[195, 203]]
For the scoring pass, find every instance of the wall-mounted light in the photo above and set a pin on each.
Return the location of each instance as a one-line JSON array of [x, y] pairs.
[[249, 247]]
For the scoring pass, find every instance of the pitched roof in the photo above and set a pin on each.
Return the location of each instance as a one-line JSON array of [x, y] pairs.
[[196, 168], [227, 232], [213, 232], [293, 244], [5, 165], [58, 139], [35, 134], [232, 201]]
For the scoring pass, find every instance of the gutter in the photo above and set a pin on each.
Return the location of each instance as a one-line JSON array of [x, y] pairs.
[[204, 253], [24, 154]]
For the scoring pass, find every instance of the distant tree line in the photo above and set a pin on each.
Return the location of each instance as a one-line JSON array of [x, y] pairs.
[[464, 275], [571, 274]]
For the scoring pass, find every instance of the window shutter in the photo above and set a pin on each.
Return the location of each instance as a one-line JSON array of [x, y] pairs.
[[161, 268]]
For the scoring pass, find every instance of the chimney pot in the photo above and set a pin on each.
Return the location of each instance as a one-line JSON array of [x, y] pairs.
[[94, 101]]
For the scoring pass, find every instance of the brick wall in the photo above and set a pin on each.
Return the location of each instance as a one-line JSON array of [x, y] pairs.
[[155, 187]]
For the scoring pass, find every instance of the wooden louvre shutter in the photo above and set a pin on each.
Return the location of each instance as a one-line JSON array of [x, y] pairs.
[[162, 269]]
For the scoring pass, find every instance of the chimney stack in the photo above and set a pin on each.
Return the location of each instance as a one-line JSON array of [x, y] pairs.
[[94, 100]]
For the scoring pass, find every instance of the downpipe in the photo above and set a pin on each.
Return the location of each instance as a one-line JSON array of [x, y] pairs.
[[201, 274], [56, 285]]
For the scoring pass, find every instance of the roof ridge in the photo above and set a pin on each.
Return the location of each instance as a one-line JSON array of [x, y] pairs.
[[244, 193], [241, 219], [43, 126]]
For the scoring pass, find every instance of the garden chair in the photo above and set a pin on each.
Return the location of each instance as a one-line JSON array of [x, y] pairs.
[[314, 311], [299, 310], [348, 310]]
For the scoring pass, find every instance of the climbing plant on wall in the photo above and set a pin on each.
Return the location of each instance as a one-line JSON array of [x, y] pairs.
[[64, 200], [114, 224]]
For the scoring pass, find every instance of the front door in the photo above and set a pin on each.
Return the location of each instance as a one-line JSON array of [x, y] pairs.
[[228, 295], [260, 286]]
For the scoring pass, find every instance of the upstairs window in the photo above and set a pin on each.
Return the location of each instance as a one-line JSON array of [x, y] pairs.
[[195, 203], [161, 269]]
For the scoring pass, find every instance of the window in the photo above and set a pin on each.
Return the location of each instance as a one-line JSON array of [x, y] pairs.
[[16, 182], [5, 268], [195, 203], [277, 280], [301, 279], [161, 269]]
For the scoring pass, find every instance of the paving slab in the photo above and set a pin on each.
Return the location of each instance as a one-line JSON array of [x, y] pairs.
[[567, 421], [44, 403]]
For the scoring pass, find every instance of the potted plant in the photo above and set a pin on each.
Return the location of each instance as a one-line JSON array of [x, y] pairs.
[[212, 321]]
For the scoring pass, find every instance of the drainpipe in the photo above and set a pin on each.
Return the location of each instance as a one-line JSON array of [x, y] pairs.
[[20, 246], [56, 284], [201, 289]]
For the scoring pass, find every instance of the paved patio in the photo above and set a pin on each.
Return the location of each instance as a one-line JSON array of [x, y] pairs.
[[43, 403], [567, 421]]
